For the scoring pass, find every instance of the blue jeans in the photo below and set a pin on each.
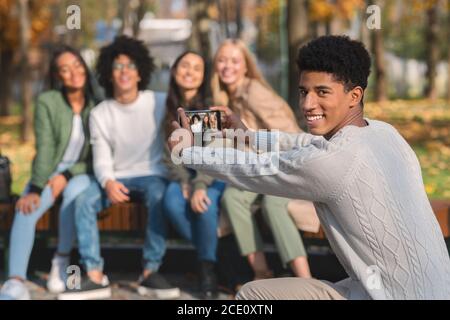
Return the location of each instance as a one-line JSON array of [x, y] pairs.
[[199, 228], [93, 200], [24, 225]]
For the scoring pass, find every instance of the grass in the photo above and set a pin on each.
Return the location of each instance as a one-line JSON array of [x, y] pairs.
[[425, 125]]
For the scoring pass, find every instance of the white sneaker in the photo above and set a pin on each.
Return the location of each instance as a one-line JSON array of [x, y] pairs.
[[57, 277], [14, 289]]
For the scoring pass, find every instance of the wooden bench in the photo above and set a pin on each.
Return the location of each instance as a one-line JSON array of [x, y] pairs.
[[128, 220], [131, 218], [441, 209]]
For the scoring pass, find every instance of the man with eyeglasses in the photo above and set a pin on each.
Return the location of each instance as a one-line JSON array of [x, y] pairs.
[[127, 143]]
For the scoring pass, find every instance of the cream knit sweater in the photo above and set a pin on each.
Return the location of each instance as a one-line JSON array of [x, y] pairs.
[[366, 185]]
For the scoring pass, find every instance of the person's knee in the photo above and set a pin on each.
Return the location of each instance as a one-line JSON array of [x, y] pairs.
[[173, 199], [155, 193], [230, 196], [279, 289], [87, 201], [274, 205], [213, 209], [251, 291], [209, 217], [26, 219], [172, 208], [76, 186]]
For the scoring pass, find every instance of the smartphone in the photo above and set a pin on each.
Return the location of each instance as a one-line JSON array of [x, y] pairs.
[[204, 120], [205, 124]]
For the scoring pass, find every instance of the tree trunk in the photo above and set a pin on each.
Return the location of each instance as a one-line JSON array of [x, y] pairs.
[[363, 30], [448, 50], [284, 51], [224, 17], [124, 13], [297, 25], [380, 69], [139, 15], [432, 51], [131, 13], [25, 83], [260, 22], [5, 85], [199, 41], [377, 44], [71, 37], [239, 26]]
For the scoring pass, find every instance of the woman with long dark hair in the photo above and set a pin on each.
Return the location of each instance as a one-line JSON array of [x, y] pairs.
[[60, 168], [193, 95], [192, 199]]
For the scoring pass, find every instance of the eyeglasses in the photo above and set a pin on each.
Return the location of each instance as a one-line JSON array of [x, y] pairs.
[[120, 66]]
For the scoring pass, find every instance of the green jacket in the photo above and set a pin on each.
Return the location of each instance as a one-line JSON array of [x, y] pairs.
[[52, 127]]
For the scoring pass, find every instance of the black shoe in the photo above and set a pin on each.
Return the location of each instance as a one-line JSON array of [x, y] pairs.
[[156, 285], [208, 281], [88, 290]]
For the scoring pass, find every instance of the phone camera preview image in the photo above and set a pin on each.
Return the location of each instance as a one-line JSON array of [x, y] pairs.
[[204, 122]]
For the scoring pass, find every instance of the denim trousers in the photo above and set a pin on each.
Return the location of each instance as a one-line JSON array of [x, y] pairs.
[[24, 225], [93, 200], [199, 228]]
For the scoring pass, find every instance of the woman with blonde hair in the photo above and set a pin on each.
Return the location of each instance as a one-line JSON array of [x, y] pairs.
[[238, 84]]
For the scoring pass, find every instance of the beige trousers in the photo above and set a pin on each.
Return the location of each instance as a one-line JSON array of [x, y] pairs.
[[288, 289]]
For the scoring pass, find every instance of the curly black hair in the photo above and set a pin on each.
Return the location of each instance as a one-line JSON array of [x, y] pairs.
[[347, 59], [132, 48]]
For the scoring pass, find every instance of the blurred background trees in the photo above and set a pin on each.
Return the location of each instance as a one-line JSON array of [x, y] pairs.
[[414, 33], [24, 25]]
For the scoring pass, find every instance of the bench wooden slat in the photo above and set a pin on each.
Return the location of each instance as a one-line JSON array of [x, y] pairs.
[[6, 216], [441, 209], [311, 235], [132, 217]]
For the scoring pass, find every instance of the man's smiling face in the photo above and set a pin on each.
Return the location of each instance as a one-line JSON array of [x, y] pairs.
[[325, 103]]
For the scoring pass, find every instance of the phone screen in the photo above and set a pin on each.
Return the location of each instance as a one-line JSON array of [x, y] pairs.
[[204, 122]]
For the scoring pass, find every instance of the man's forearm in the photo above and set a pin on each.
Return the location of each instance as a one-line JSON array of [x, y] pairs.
[[248, 170]]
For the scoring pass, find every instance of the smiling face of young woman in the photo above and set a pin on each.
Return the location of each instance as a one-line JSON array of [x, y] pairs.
[[231, 66], [326, 105], [213, 121], [190, 72], [71, 71]]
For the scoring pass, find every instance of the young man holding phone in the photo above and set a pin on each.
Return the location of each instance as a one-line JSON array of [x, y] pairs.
[[363, 177]]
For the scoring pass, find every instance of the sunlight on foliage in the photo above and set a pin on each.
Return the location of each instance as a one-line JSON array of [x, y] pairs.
[[426, 126]]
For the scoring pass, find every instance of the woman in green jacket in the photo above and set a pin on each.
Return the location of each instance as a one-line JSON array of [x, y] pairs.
[[60, 167]]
